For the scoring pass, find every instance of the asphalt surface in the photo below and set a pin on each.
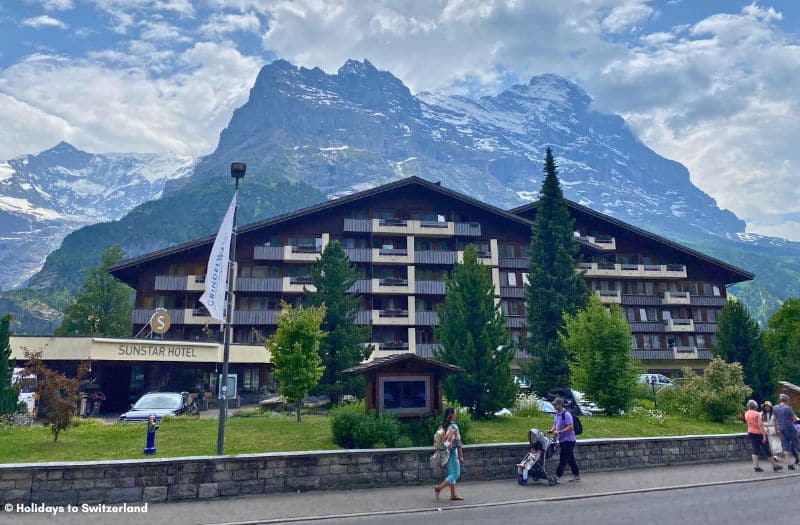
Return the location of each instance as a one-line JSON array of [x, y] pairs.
[[719, 493]]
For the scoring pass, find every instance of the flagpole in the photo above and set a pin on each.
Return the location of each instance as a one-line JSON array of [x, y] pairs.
[[237, 172]]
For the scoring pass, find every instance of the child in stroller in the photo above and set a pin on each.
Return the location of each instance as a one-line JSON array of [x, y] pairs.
[[534, 464]]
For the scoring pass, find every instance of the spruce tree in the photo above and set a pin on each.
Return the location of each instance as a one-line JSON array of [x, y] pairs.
[[473, 335], [554, 286], [9, 395], [738, 340], [333, 275], [103, 305]]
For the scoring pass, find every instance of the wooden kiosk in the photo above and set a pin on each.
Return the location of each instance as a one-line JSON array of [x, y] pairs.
[[406, 385]]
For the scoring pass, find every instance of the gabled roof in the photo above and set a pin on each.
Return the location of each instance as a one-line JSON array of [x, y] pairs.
[[409, 181], [744, 274], [394, 359]]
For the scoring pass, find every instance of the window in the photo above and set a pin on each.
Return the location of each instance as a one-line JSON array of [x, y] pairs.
[[716, 290], [259, 271], [642, 314], [305, 241], [707, 289], [525, 279], [299, 270], [385, 214], [633, 342], [648, 288], [711, 316], [405, 395], [358, 213], [506, 250], [350, 243], [666, 315], [701, 341], [251, 379], [429, 274], [512, 308], [631, 313]]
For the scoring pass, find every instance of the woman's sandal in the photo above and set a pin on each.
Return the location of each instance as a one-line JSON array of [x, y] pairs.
[[437, 491], [457, 498]]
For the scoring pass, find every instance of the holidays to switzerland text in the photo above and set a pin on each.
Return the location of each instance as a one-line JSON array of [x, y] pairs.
[[98, 508]]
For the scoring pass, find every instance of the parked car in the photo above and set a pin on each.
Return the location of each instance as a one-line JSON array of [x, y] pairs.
[[546, 407], [159, 404], [661, 381], [574, 401]]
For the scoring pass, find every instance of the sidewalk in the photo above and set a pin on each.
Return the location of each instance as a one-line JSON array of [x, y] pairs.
[[316, 504]]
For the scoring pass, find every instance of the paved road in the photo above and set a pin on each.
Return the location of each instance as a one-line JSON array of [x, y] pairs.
[[497, 501], [723, 504]]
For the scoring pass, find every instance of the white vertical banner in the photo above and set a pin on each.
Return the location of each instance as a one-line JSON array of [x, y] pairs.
[[217, 270]]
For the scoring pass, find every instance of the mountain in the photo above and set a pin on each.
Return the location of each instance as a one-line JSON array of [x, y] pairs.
[[306, 135], [362, 127], [44, 197]]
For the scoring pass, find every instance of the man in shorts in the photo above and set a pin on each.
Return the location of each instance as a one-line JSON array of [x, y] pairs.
[[784, 422]]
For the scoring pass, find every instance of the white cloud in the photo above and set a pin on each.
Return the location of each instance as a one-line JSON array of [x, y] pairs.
[[56, 5], [224, 23], [38, 22], [628, 16], [102, 107]]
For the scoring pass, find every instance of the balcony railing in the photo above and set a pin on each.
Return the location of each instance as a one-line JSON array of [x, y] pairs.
[[604, 242], [301, 279], [676, 298], [679, 325], [393, 251], [392, 345], [433, 224], [610, 296], [606, 269], [393, 312], [392, 221], [393, 281], [484, 254], [306, 249]]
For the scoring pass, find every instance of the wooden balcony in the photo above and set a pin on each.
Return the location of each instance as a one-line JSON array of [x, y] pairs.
[[679, 325], [636, 271], [676, 298], [194, 283], [609, 296], [602, 242]]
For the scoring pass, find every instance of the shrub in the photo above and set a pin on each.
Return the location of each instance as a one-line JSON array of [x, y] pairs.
[[247, 412], [717, 395], [527, 405], [420, 430], [353, 427], [404, 442]]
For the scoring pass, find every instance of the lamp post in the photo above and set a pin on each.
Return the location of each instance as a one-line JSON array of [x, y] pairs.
[[653, 384], [237, 172]]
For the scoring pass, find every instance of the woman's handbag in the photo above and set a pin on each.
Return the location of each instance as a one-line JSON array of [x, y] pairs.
[[441, 452]]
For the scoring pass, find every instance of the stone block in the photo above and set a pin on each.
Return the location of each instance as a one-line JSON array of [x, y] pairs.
[[228, 488], [251, 486], [182, 491], [154, 494], [207, 490], [55, 497], [120, 495], [91, 496], [14, 496], [241, 475]]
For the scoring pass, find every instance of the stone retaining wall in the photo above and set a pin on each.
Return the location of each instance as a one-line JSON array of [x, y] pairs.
[[213, 477]]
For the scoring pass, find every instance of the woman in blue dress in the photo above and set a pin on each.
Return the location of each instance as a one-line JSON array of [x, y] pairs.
[[453, 443]]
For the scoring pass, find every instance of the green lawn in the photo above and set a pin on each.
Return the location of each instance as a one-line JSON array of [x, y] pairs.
[[196, 437]]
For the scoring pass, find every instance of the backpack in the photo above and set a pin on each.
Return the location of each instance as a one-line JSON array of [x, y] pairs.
[[577, 427], [441, 454]]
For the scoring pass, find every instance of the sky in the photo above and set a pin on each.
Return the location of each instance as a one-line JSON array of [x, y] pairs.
[[712, 84]]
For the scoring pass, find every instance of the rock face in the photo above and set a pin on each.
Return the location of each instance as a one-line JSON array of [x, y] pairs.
[[44, 197], [362, 127]]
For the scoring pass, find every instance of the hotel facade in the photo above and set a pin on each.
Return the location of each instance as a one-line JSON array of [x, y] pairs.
[[404, 237]]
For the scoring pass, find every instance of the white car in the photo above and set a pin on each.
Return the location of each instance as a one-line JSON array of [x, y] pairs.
[[661, 382]]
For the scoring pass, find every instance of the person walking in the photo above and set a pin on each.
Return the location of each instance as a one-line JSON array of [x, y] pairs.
[[784, 421], [757, 435], [564, 429], [452, 441], [773, 440]]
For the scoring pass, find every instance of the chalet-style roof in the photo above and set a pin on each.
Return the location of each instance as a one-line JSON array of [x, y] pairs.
[[742, 273], [372, 192], [395, 359]]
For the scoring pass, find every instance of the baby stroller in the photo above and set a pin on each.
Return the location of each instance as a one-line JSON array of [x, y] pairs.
[[537, 470]]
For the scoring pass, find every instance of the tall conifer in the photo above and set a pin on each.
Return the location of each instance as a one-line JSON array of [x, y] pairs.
[[554, 287], [333, 275], [8, 395], [473, 335]]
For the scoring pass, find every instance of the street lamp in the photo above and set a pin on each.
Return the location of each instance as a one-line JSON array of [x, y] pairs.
[[238, 170], [653, 384]]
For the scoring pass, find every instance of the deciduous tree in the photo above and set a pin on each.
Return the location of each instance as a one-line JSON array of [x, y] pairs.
[[782, 339], [103, 305], [58, 394], [599, 342], [295, 351]]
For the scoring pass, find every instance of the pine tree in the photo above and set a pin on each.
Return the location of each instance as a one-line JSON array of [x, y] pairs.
[[739, 340], [9, 395], [599, 344], [103, 305], [473, 335], [333, 275], [554, 287], [295, 352]]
